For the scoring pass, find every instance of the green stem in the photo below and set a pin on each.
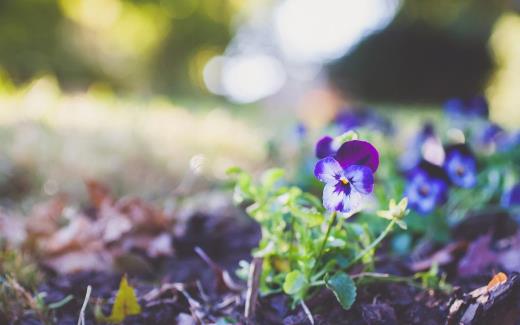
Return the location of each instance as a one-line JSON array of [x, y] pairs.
[[378, 276], [374, 243], [324, 242]]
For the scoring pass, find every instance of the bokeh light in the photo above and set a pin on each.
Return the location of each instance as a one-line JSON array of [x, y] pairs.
[[317, 31]]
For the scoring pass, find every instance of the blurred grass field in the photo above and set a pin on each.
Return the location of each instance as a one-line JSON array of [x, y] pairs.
[[52, 142]]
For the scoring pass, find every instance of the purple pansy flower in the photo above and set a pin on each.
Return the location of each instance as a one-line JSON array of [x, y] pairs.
[[511, 197], [325, 147], [353, 152], [344, 187], [358, 152], [426, 188], [461, 166], [463, 108]]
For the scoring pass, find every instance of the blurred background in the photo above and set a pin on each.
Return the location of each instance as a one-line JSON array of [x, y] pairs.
[[150, 96]]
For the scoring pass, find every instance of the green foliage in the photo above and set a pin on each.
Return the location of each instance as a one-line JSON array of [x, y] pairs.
[[20, 267], [304, 247], [432, 280], [295, 283], [343, 287], [16, 301]]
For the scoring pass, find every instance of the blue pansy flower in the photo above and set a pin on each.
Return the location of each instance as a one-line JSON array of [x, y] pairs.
[[511, 197], [414, 150], [348, 176], [426, 188], [509, 142], [491, 134], [461, 166], [471, 107], [356, 118], [301, 131]]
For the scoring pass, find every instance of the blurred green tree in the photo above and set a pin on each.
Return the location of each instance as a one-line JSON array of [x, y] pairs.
[[130, 45]]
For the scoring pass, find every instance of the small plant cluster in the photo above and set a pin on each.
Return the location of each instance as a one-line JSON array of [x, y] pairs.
[[18, 302], [307, 242], [459, 164], [464, 164]]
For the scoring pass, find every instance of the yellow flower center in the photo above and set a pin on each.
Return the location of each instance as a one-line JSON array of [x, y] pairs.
[[344, 180]]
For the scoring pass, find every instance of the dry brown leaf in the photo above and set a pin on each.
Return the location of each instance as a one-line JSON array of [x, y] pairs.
[[98, 193], [143, 215], [83, 260], [441, 257], [112, 224], [160, 246], [76, 235], [12, 229], [497, 280], [43, 220]]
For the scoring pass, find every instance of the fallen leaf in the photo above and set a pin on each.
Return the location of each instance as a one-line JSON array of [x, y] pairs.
[[442, 257], [160, 246], [98, 193], [82, 260], [497, 280], [43, 220], [76, 235], [125, 304], [12, 229], [478, 257], [142, 214]]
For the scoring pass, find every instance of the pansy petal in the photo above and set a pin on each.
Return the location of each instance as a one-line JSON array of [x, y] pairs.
[[352, 202], [511, 197], [333, 197], [361, 178], [357, 152], [324, 147], [461, 167], [328, 170]]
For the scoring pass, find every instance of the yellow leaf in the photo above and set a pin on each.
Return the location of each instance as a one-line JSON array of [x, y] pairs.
[[125, 304]]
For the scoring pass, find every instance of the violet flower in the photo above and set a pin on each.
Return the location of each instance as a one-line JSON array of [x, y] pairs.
[[511, 197], [348, 176], [461, 166], [426, 188], [362, 117], [425, 139], [358, 152], [325, 147], [464, 108]]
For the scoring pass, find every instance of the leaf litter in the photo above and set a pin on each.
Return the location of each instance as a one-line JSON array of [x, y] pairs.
[[185, 258]]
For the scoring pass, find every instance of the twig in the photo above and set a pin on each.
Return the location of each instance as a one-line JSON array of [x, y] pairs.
[[81, 319], [253, 281], [224, 280], [307, 312]]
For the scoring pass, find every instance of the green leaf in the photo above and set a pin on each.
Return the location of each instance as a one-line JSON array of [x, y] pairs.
[[61, 303], [294, 282], [125, 304], [271, 176], [233, 171], [343, 288]]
